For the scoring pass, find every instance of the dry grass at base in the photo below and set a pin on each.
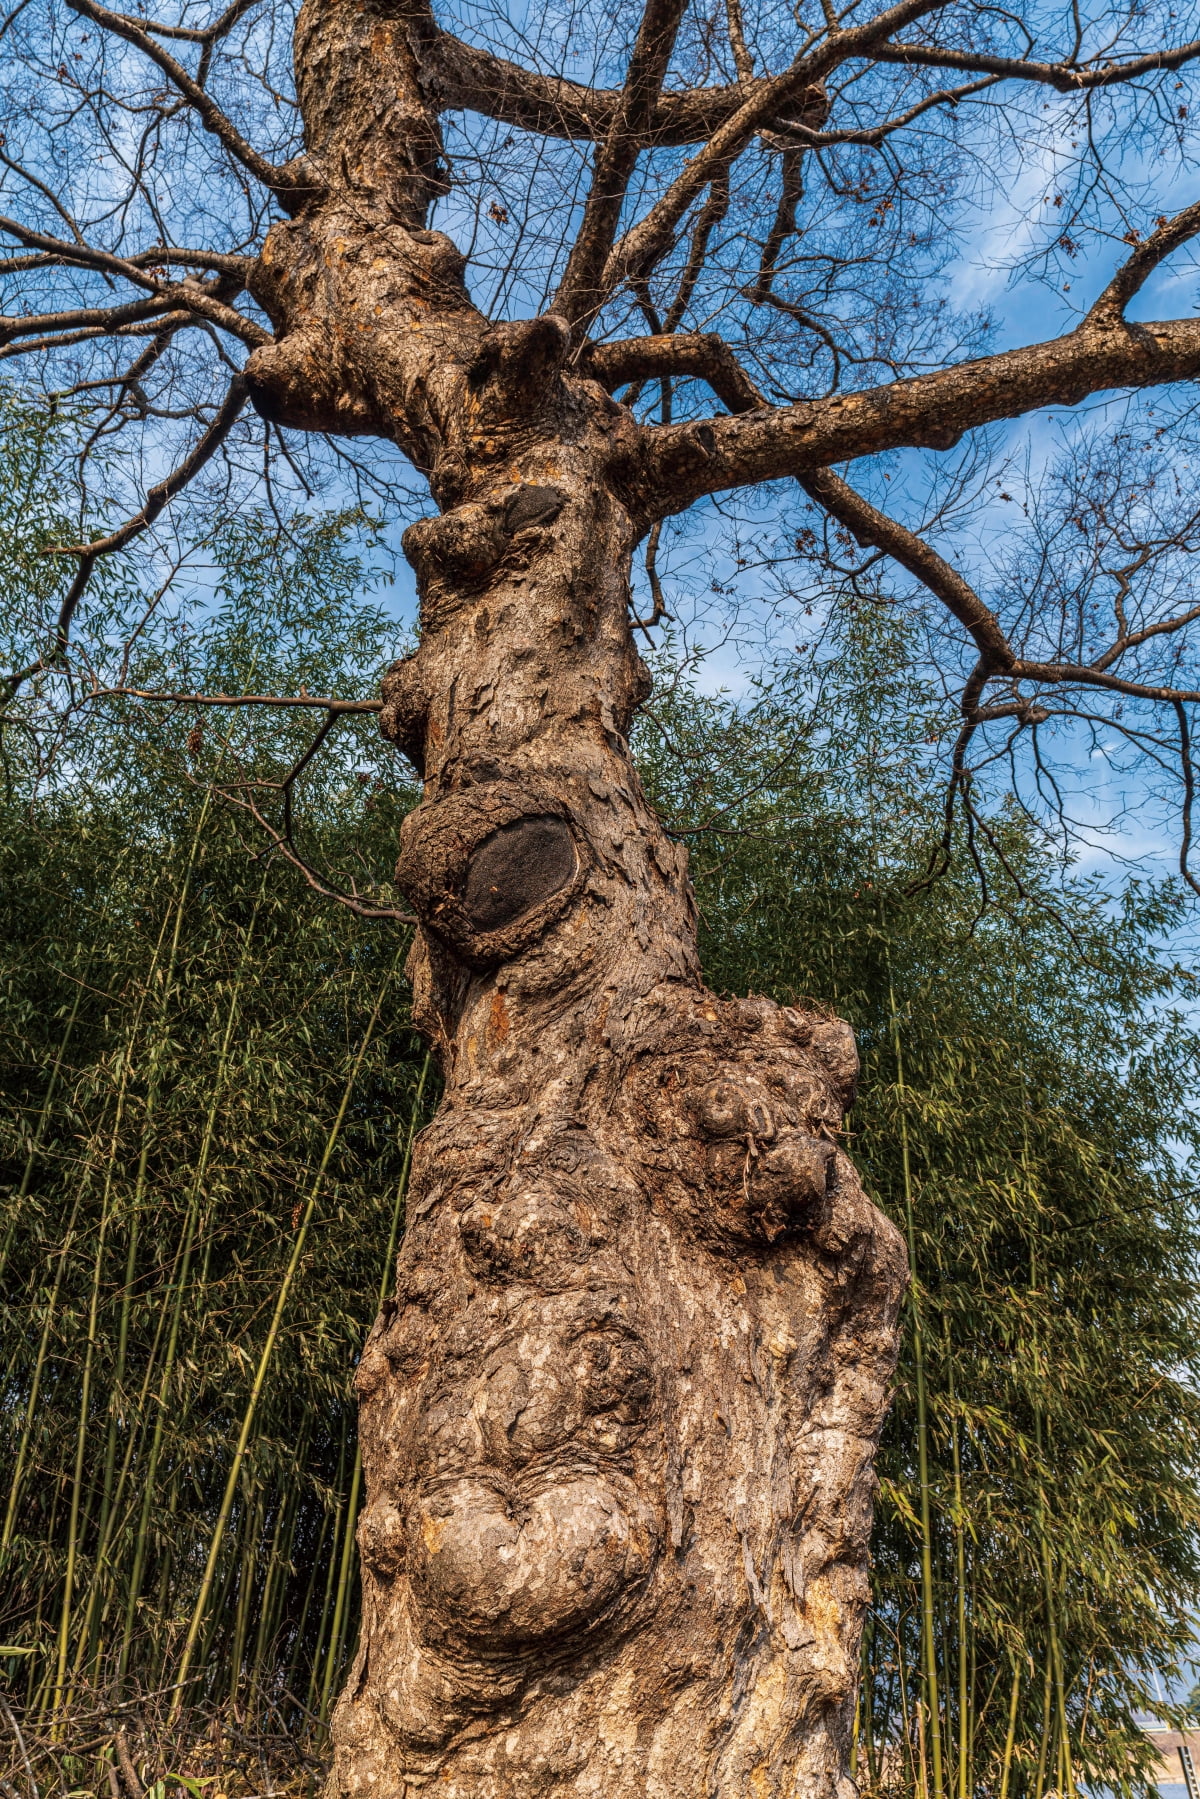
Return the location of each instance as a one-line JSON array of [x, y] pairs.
[[138, 1750]]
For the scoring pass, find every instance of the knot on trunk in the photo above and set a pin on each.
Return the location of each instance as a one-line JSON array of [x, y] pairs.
[[738, 1105], [455, 554], [530, 1526], [305, 382], [520, 360], [402, 720], [491, 868]]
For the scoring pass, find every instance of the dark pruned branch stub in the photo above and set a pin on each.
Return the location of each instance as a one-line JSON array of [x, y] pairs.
[[490, 868]]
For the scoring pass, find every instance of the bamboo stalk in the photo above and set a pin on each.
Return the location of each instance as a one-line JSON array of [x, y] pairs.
[[251, 1533], [15, 1482], [43, 1119], [960, 1570], [310, 1589], [199, 1175], [264, 1362], [333, 1659], [154, 1073], [91, 1345], [273, 1572], [1011, 1733], [928, 1643], [80, 1446], [85, 1172], [330, 1572], [131, 1256]]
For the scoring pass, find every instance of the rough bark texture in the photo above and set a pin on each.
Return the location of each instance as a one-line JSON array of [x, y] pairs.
[[618, 1423]]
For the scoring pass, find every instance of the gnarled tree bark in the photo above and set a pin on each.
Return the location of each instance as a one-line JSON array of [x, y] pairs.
[[618, 1423], [618, 1426]]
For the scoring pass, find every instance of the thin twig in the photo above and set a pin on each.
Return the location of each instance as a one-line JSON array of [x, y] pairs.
[[16, 1730]]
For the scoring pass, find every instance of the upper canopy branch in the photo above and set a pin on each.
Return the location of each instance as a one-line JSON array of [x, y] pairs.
[[157, 498], [1137, 269], [681, 463], [209, 113], [870, 526], [471, 78], [647, 241], [201, 34], [702, 354], [795, 131], [208, 302], [998, 662], [1067, 76], [581, 291], [464, 76]]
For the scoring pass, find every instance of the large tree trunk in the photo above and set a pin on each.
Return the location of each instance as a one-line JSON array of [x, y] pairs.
[[618, 1423]]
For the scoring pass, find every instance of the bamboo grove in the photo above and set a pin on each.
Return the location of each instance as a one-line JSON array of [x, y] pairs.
[[209, 1091]]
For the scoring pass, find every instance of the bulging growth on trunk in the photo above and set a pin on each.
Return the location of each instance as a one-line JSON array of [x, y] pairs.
[[618, 1423]]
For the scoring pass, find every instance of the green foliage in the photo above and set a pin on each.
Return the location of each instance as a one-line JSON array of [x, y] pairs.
[[180, 1028], [208, 1090]]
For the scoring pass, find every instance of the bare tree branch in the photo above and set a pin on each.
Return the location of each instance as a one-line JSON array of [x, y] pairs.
[[202, 34], [102, 319], [156, 499], [303, 701], [870, 526], [581, 292], [743, 62], [1168, 235], [279, 180], [187, 293], [153, 323], [1067, 77], [680, 463], [165, 491], [702, 354], [873, 135], [645, 242], [1188, 772]]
